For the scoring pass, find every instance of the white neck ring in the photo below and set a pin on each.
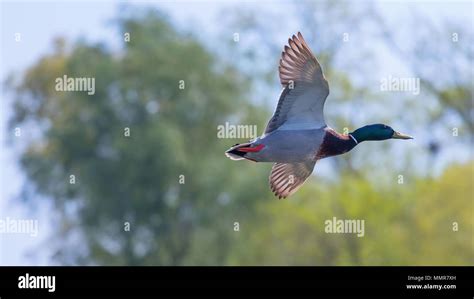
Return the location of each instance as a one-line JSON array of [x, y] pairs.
[[353, 138]]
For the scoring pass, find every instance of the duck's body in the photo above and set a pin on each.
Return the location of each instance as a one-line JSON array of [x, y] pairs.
[[297, 135], [279, 146], [313, 144]]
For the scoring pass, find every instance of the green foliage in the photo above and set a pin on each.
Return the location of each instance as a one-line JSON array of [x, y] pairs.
[[406, 224], [136, 179]]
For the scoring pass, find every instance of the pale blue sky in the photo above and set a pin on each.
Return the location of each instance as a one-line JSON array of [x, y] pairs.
[[40, 21]]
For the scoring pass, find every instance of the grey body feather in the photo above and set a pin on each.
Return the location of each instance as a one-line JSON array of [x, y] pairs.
[[287, 146]]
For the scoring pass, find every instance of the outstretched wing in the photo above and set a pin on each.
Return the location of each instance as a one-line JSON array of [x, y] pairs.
[[305, 90], [286, 178]]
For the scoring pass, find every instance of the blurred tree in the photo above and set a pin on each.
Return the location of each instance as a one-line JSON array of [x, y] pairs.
[[448, 49], [427, 222], [164, 182]]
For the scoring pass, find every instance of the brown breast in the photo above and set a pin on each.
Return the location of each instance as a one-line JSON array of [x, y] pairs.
[[334, 144]]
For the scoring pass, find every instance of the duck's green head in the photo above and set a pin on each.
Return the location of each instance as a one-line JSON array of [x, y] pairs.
[[377, 132]]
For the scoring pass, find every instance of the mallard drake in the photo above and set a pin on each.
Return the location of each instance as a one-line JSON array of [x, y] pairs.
[[297, 136]]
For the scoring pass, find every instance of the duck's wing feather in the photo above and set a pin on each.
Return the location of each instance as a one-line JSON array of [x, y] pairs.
[[286, 178], [305, 90]]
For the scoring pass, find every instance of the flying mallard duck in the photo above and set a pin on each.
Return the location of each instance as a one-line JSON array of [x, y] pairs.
[[297, 135]]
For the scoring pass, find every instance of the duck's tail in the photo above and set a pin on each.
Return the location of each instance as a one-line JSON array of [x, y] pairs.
[[234, 154]]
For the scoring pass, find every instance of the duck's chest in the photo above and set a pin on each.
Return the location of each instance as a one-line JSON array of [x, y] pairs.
[[334, 144]]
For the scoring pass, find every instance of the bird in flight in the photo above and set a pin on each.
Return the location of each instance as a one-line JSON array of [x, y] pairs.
[[297, 136]]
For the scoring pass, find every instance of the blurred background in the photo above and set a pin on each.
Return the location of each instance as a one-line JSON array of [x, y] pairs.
[[167, 195]]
